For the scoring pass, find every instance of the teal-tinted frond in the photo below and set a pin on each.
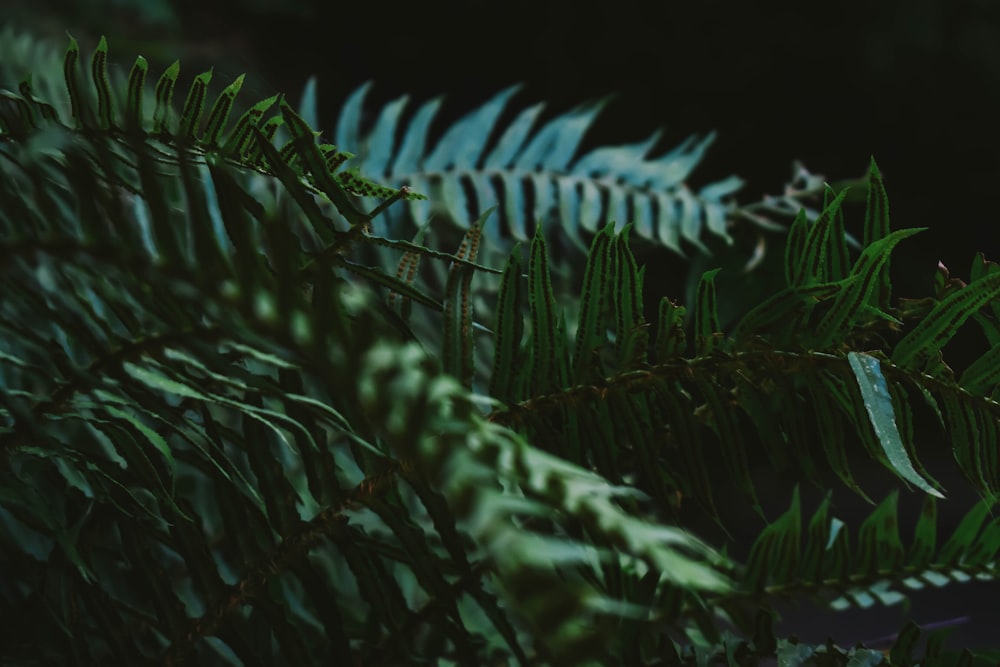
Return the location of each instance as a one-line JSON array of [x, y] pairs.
[[533, 171]]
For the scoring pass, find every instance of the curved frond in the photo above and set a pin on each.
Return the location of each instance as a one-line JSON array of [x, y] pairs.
[[824, 558], [789, 369], [93, 107], [533, 171]]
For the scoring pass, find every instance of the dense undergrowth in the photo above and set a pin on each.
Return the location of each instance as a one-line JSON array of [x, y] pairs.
[[250, 414]]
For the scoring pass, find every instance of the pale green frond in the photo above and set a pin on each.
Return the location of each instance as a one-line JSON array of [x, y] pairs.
[[537, 165]]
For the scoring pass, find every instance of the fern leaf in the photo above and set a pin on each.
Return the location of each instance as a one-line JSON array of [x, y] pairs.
[[508, 330], [47, 111], [937, 328], [775, 553], [857, 287], [789, 304], [547, 348], [77, 108], [213, 442], [455, 147], [538, 169], [670, 337], [218, 117], [164, 97], [134, 94], [729, 432], [707, 332], [458, 340], [630, 325], [407, 272], [878, 567], [242, 137], [878, 403], [877, 228], [795, 247], [99, 74], [812, 266], [590, 330], [879, 546], [964, 427]]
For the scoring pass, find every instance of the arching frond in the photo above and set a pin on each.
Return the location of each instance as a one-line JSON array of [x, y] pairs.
[[843, 566], [96, 107], [677, 417], [533, 171]]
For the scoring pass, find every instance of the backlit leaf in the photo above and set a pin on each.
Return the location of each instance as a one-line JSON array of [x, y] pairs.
[[878, 403]]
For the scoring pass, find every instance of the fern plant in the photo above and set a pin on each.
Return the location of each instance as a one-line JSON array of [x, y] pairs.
[[222, 443], [532, 171]]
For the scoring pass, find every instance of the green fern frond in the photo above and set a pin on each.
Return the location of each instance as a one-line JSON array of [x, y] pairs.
[[94, 107], [662, 410], [796, 556]]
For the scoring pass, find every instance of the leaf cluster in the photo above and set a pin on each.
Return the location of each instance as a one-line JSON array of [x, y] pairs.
[[228, 435]]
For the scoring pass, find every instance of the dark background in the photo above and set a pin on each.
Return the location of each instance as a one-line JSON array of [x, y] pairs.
[[912, 82], [916, 83]]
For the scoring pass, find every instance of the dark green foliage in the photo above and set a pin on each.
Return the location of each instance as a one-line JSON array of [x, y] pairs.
[[227, 435]]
